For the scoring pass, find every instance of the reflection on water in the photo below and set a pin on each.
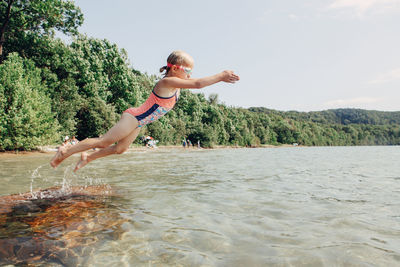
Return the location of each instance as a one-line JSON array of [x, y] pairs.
[[231, 207]]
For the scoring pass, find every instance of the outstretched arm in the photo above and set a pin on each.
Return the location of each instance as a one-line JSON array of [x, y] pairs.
[[225, 76]]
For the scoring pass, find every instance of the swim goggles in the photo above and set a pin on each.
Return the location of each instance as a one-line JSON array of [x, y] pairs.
[[186, 70]]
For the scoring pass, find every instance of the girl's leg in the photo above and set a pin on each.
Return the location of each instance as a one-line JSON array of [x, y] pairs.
[[118, 148], [122, 129]]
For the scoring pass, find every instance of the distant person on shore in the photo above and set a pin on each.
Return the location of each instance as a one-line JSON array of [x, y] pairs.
[[74, 141], [184, 143], [66, 141], [161, 100]]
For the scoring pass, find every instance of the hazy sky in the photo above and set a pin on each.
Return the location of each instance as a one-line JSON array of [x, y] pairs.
[[290, 54]]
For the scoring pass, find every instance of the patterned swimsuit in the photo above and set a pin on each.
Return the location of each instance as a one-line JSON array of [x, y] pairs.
[[153, 108]]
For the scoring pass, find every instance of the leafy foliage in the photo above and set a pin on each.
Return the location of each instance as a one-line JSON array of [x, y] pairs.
[[49, 89], [338, 116], [20, 18], [25, 112]]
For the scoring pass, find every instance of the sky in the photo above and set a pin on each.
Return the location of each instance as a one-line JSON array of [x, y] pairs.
[[304, 55]]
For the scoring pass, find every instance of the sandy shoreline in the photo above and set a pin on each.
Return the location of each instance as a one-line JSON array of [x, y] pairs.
[[52, 149]]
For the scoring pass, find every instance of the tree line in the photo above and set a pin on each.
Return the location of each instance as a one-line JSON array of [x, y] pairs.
[[49, 89]]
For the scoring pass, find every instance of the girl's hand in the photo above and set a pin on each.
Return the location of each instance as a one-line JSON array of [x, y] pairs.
[[229, 77]]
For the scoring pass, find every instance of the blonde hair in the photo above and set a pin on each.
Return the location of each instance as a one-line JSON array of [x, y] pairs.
[[177, 57]]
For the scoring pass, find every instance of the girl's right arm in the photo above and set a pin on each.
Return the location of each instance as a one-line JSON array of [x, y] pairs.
[[175, 82]]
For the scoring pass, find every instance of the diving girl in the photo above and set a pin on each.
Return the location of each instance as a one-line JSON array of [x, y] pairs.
[[161, 100]]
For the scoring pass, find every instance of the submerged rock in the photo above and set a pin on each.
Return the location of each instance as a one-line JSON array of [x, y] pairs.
[[57, 226]]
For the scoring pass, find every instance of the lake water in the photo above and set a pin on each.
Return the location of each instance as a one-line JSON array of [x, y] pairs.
[[295, 206]]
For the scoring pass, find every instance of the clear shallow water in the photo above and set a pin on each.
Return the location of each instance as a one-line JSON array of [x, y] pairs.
[[232, 207]]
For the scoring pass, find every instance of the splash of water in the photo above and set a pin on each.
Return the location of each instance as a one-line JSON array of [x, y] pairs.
[[69, 180], [35, 174]]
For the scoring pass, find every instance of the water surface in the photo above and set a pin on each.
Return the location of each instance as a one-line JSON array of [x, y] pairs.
[[319, 206]]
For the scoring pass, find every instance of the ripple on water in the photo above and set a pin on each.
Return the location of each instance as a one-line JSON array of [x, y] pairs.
[[236, 207]]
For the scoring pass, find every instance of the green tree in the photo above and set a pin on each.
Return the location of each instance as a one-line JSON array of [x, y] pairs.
[[94, 118], [40, 17], [26, 118]]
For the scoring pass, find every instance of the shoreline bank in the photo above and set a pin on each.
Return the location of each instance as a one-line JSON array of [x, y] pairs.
[[53, 149]]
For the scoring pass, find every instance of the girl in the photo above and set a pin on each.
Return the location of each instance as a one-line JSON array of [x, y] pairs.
[[161, 100]]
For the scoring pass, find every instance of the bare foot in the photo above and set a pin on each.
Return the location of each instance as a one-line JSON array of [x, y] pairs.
[[82, 162], [58, 157]]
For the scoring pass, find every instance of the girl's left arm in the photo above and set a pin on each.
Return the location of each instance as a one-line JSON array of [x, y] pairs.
[[175, 82]]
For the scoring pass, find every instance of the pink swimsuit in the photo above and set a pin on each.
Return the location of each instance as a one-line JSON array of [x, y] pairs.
[[153, 108]]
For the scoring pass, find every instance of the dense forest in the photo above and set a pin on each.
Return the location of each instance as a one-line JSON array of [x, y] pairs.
[[49, 89]]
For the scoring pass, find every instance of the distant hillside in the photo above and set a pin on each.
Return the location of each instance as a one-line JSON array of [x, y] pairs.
[[338, 116]]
